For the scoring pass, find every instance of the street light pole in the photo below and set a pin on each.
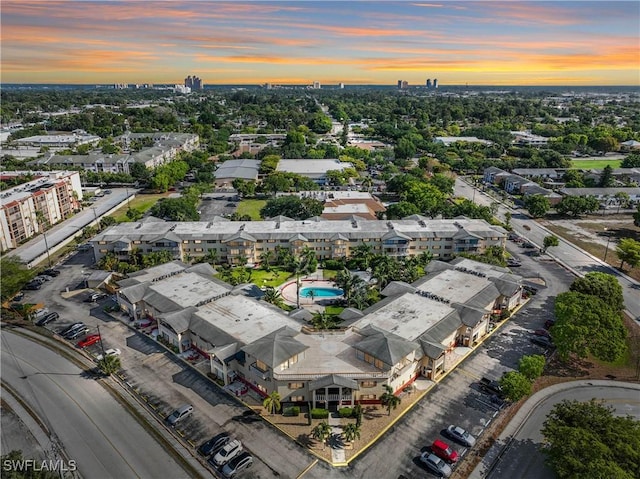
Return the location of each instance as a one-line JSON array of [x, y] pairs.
[[607, 248], [46, 246]]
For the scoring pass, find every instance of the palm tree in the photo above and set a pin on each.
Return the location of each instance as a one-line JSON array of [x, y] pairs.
[[351, 432], [322, 432], [272, 402], [266, 258], [109, 364], [389, 400], [272, 295]]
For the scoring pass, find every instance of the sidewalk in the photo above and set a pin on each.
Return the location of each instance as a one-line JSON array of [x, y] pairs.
[[503, 442]]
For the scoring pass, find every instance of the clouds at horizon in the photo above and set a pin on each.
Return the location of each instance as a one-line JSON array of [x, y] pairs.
[[475, 42]]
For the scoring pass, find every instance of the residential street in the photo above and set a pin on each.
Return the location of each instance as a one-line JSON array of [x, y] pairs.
[[566, 253]]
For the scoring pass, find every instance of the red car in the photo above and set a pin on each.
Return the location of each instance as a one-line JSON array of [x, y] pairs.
[[89, 340], [444, 451]]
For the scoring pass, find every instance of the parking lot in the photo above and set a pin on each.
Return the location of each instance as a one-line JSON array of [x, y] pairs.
[[168, 382], [217, 204]]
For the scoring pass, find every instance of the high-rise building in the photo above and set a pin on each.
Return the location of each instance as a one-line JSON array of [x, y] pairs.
[[399, 84], [316, 85], [435, 83], [429, 83], [193, 83], [405, 85], [341, 85]]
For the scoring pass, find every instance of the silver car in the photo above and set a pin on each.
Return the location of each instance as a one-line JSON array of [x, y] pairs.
[[179, 414], [435, 464], [461, 435]]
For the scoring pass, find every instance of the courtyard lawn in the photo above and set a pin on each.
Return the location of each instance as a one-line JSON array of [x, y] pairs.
[[329, 274], [273, 278], [333, 310], [251, 208], [140, 202], [588, 164]]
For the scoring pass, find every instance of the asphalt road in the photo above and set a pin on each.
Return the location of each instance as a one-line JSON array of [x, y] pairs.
[[94, 429], [567, 253], [522, 459]]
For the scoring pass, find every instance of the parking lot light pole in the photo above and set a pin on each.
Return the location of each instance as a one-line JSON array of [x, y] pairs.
[[46, 247], [101, 344], [607, 248]]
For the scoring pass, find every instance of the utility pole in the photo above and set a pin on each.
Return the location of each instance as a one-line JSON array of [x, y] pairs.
[[101, 344]]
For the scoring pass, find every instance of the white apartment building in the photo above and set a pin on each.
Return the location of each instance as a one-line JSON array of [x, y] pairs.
[[55, 194]]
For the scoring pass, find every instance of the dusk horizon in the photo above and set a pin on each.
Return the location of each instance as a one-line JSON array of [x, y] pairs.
[[477, 43]]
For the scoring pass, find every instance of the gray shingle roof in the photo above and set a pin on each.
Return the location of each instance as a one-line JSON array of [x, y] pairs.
[[443, 328], [179, 320], [134, 293], [395, 288], [333, 380], [350, 313], [275, 348], [431, 349], [385, 346], [469, 316]]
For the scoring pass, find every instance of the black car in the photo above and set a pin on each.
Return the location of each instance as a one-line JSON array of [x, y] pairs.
[[213, 444], [49, 318], [32, 286], [70, 328], [543, 341], [51, 272]]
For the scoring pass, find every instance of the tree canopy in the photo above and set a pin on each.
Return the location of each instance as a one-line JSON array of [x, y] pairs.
[[602, 285], [293, 207]]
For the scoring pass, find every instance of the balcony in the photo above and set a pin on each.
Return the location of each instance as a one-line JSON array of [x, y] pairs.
[[310, 377], [332, 397], [264, 375]]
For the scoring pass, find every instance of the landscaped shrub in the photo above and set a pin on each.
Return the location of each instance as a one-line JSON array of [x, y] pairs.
[[345, 412], [291, 411], [319, 413], [333, 264]]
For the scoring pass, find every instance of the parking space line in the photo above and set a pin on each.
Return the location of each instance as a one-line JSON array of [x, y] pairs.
[[467, 373], [307, 469]]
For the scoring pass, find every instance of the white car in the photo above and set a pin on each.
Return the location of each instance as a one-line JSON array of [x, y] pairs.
[[109, 352], [228, 452]]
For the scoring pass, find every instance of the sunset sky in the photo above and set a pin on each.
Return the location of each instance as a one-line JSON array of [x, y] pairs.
[[298, 42]]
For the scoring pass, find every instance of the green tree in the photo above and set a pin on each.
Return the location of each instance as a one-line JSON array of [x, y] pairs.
[[389, 400], [321, 433], [628, 250], [587, 325], [631, 161], [401, 210], [292, 207], [586, 439], [272, 295], [134, 214], [507, 220], [622, 199], [272, 402], [636, 216], [549, 241], [277, 181], [532, 366], [537, 205], [14, 276], [351, 432], [515, 385], [601, 285], [577, 205], [266, 258], [109, 364], [606, 179]]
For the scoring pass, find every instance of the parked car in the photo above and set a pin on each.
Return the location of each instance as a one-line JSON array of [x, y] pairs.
[[143, 323], [228, 452], [70, 328], [541, 332], [543, 341], [32, 286], [179, 414], [39, 280], [514, 263], [435, 464], [108, 352], [461, 435], [39, 314], [89, 340], [95, 297], [548, 324], [51, 272], [490, 386], [49, 318], [18, 297], [239, 463], [444, 451], [76, 333], [213, 444], [44, 277]]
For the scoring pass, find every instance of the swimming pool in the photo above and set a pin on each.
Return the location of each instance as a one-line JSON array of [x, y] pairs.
[[319, 292]]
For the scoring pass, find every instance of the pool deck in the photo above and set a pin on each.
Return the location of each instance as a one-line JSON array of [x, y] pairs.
[[317, 304]]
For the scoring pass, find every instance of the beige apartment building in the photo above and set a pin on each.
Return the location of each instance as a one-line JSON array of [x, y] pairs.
[[54, 194]]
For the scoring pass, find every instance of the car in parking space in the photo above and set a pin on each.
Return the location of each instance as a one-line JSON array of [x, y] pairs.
[[541, 332], [242, 461], [543, 341], [228, 452], [461, 435], [32, 286], [444, 451], [95, 297], [108, 352], [49, 318], [76, 333], [18, 297], [179, 414], [89, 340], [548, 324], [213, 444], [435, 464], [70, 328], [51, 272]]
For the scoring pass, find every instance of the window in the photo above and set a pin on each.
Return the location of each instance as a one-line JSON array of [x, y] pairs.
[[296, 385], [197, 241], [367, 396], [436, 247], [368, 384], [261, 366], [198, 250], [297, 398], [104, 250]]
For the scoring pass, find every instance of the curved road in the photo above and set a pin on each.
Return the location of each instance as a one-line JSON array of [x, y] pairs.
[[522, 458], [94, 429], [566, 253]]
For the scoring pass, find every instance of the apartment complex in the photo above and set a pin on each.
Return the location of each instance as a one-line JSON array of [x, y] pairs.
[[166, 147], [240, 242], [53, 195], [424, 328]]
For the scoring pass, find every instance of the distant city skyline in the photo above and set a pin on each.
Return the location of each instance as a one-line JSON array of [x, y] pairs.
[[302, 42]]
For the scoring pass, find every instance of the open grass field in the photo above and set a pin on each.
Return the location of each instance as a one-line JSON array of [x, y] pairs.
[[140, 202], [274, 278], [588, 164], [251, 208]]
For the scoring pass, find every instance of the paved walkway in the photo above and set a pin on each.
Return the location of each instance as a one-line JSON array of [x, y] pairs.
[[337, 446]]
